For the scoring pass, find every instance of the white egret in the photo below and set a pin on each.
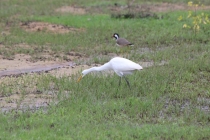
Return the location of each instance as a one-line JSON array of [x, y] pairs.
[[121, 66]]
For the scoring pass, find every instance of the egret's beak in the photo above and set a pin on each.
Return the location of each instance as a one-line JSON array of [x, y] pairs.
[[79, 78]]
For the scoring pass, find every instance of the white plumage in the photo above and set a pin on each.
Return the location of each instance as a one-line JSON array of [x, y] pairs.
[[121, 66]]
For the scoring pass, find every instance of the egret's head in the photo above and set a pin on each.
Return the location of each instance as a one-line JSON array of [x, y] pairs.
[[140, 68], [84, 72], [116, 35]]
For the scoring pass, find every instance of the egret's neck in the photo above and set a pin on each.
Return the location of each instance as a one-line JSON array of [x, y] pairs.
[[100, 68]]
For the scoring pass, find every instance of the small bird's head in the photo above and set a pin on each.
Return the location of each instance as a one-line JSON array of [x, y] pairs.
[[116, 35]]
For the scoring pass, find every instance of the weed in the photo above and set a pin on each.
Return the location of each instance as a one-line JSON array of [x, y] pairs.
[[198, 20]]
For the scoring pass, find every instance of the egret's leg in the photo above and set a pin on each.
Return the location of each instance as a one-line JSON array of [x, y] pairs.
[[120, 81], [127, 82]]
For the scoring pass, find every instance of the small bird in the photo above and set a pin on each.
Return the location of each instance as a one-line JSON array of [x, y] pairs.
[[121, 41], [121, 66]]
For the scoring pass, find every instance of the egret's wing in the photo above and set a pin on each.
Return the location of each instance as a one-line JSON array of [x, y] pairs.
[[122, 64]]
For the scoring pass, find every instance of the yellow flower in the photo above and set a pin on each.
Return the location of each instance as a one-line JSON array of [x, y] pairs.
[[190, 3], [195, 21], [189, 14], [199, 20], [207, 19], [184, 26], [180, 18], [196, 27]]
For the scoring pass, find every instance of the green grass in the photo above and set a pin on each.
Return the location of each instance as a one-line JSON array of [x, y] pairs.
[[169, 101]]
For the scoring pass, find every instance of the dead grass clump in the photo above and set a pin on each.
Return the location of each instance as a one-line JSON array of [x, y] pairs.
[[134, 15]]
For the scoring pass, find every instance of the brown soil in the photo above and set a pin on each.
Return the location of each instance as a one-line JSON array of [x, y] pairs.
[[29, 101], [71, 9], [166, 7], [154, 8], [158, 7], [47, 27], [163, 7], [21, 64]]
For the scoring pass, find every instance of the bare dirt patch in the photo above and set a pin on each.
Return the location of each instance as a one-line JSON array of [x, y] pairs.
[[166, 7], [11, 76], [48, 27], [71, 9], [162, 7], [156, 7], [21, 64], [30, 101]]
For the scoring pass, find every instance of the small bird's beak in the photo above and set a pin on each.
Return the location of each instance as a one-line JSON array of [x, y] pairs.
[[79, 78]]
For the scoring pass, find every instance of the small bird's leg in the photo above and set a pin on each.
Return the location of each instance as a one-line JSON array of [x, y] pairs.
[[120, 81], [127, 82]]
